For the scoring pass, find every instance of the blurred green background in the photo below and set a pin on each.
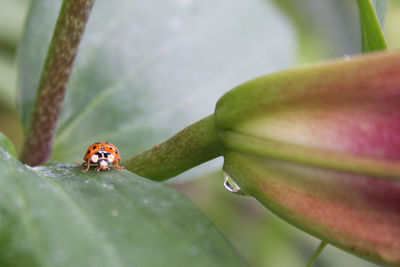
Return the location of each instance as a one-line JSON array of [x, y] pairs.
[[325, 29]]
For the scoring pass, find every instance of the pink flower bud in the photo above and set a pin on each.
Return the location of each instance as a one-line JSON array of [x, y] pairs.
[[320, 146]]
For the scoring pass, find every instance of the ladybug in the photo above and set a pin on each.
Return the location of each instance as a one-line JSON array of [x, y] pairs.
[[102, 155]]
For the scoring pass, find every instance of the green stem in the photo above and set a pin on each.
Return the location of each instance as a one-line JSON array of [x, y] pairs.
[[372, 35], [317, 253], [53, 81], [192, 146]]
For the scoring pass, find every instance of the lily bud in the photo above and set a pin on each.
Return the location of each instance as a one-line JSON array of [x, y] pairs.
[[320, 147]]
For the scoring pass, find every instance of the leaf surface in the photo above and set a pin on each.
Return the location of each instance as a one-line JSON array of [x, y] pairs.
[[58, 216], [7, 145]]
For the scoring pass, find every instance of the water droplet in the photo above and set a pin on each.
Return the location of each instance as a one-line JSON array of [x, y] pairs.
[[230, 184], [146, 201], [86, 181], [114, 213], [346, 57]]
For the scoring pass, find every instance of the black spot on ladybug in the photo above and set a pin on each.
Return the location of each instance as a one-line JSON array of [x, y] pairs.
[[94, 147], [88, 152]]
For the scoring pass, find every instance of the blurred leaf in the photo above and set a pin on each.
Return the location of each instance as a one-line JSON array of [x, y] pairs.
[[7, 81], [147, 69], [12, 16], [6, 145], [326, 29], [58, 216], [381, 10], [372, 33]]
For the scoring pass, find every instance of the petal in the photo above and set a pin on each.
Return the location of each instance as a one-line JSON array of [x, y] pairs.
[[350, 106], [359, 214]]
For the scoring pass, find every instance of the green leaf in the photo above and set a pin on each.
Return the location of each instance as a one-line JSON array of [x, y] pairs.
[[7, 145], [147, 69], [372, 34], [58, 216]]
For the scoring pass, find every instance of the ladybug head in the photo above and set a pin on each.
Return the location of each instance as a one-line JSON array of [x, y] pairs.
[[104, 164]]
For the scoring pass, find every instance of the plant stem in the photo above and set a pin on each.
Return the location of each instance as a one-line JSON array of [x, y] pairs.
[[317, 253], [192, 146], [54, 79]]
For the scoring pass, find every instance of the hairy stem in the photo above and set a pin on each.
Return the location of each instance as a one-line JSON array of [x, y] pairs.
[[53, 81], [192, 146]]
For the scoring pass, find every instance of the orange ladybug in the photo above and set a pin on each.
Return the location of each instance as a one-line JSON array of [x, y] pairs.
[[102, 155]]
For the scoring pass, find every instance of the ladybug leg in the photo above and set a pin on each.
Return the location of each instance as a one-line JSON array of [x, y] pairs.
[[88, 165], [120, 168], [83, 164]]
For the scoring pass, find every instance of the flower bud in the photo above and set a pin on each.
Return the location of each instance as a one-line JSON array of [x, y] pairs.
[[320, 147]]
